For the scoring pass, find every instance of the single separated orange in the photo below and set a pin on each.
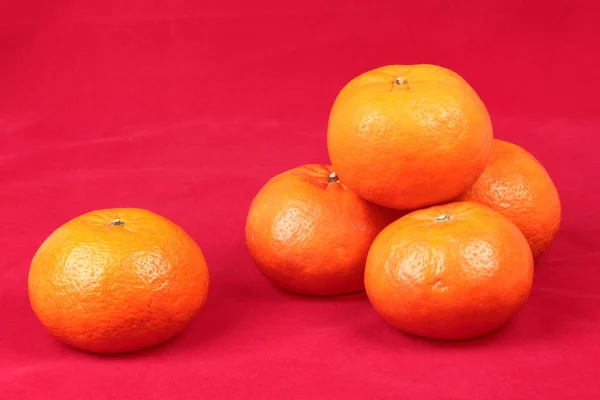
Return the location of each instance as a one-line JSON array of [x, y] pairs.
[[309, 234], [117, 280], [517, 185], [409, 136], [454, 271]]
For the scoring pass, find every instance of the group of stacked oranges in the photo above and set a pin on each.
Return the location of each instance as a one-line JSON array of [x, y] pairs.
[[421, 207]]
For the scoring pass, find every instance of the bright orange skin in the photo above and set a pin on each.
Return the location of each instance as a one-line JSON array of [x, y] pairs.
[[412, 144], [449, 279], [107, 288], [311, 236], [518, 186]]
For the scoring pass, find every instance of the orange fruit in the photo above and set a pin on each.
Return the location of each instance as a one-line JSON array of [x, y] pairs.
[[117, 280], [454, 271], [309, 234], [409, 136], [519, 187]]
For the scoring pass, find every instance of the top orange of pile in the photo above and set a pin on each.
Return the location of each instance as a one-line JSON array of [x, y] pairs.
[[407, 137]]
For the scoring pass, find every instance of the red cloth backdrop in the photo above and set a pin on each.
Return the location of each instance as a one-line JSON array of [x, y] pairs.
[[187, 107]]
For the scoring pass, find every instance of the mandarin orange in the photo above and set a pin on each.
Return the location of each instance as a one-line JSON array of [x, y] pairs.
[[117, 280], [309, 234], [518, 186], [454, 271], [409, 136]]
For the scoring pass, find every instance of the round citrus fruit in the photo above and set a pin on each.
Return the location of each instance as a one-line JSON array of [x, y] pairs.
[[117, 280], [517, 185], [452, 272], [409, 136], [309, 234]]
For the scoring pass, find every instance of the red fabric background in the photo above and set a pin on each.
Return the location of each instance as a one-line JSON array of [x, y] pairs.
[[187, 107]]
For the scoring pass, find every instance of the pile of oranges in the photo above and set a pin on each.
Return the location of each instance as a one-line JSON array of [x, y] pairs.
[[421, 207], [438, 221]]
